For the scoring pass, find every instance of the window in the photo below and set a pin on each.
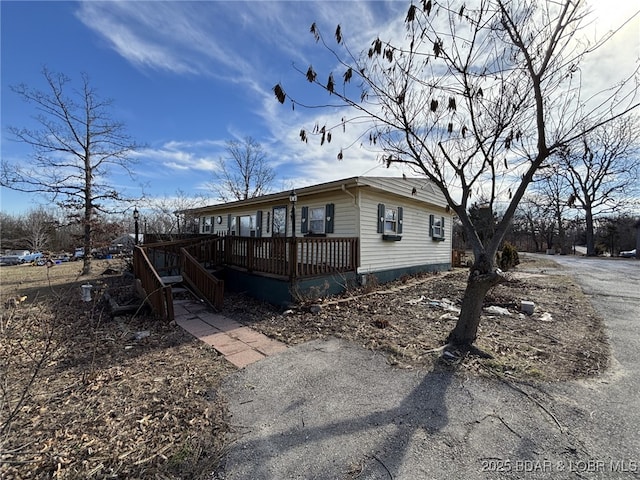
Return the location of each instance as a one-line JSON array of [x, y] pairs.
[[231, 223], [390, 222], [248, 226], [279, 226], [436, 226], [316, 220], [206, 224]]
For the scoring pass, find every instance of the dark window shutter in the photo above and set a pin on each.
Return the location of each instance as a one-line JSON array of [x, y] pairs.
[[381, 218], [259, 223], [431, 225], [328, 218], [304, 220], [229, 224], [443, 230], [399, 221]]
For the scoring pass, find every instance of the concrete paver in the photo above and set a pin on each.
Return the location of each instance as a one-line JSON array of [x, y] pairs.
[[239, 344], [244, 358], [196, 327], [232, 347]]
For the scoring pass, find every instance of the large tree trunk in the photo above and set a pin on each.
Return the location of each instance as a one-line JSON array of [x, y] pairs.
[[482, 277], [590, 234], [88, 209]]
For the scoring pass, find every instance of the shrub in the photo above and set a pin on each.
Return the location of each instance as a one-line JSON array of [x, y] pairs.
[[509, 257]]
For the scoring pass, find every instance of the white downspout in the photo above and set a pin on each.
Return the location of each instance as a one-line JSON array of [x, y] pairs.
[[357, 205]]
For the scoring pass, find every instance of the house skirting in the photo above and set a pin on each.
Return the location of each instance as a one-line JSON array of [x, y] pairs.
[[282, 291], [384, 276]]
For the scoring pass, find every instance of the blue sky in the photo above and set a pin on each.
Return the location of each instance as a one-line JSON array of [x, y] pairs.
[[186, 77]]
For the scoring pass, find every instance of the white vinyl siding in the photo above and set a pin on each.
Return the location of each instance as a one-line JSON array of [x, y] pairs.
[[424, 189], [416, 246]]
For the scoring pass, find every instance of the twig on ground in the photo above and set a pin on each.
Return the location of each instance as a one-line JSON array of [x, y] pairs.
[[534, 400], [383, 465]]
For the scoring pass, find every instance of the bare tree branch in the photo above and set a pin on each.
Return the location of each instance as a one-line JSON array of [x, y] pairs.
[[476, 99]]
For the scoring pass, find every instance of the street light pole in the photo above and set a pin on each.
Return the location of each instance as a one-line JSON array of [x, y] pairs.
[[136, 217], [293, 198]]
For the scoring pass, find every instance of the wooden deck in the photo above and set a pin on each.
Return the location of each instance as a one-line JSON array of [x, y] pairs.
[[287, 258], [293, 258]]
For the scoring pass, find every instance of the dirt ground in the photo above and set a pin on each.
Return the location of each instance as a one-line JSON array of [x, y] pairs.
[[407, 319], [85, 395]]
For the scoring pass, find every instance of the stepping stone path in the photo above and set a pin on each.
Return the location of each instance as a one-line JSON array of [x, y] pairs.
[[239, 344]]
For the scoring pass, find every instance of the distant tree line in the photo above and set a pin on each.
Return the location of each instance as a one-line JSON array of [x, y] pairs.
[[52, 230], [536, 230]]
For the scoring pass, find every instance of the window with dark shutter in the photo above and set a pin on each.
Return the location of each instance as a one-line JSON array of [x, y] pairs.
[[390, 222], [436, 227]]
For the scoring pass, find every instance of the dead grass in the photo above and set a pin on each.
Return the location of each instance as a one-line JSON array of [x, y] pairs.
[[132, 397], [128, 397], [408, 319]]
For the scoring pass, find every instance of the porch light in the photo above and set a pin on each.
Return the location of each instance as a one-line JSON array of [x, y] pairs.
[[293, 197]]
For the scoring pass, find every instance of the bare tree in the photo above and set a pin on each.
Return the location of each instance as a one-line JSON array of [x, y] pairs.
[[244, 173], [537, 215], [169, 215], [602, 170], [74, 150], [476, 97], [553, 196], [39, 226]]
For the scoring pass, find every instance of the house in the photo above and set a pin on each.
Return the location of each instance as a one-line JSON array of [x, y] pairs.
[[342, 232]]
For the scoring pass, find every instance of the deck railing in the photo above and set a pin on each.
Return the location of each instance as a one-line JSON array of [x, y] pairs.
[[165, 256], [158, 295], [285, 257], [290, 257], [206, 285]]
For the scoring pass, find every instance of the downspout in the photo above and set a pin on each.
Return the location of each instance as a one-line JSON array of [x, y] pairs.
[[344, 189], [357, 206]]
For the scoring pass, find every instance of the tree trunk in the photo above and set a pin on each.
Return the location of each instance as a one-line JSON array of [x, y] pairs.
[[88, 208], [590, 234], [86, 259], [466, 329], [562, 237], [482, 277]]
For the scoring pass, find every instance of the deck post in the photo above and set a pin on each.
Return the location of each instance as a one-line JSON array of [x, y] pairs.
[[293, 258]]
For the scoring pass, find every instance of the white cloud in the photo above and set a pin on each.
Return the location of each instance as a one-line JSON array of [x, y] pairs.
[[179, 37], [198, 157], [254, 44]]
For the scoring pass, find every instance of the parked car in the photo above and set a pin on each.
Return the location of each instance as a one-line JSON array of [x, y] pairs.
[[64, 257], [16, 257], [628, 253]]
